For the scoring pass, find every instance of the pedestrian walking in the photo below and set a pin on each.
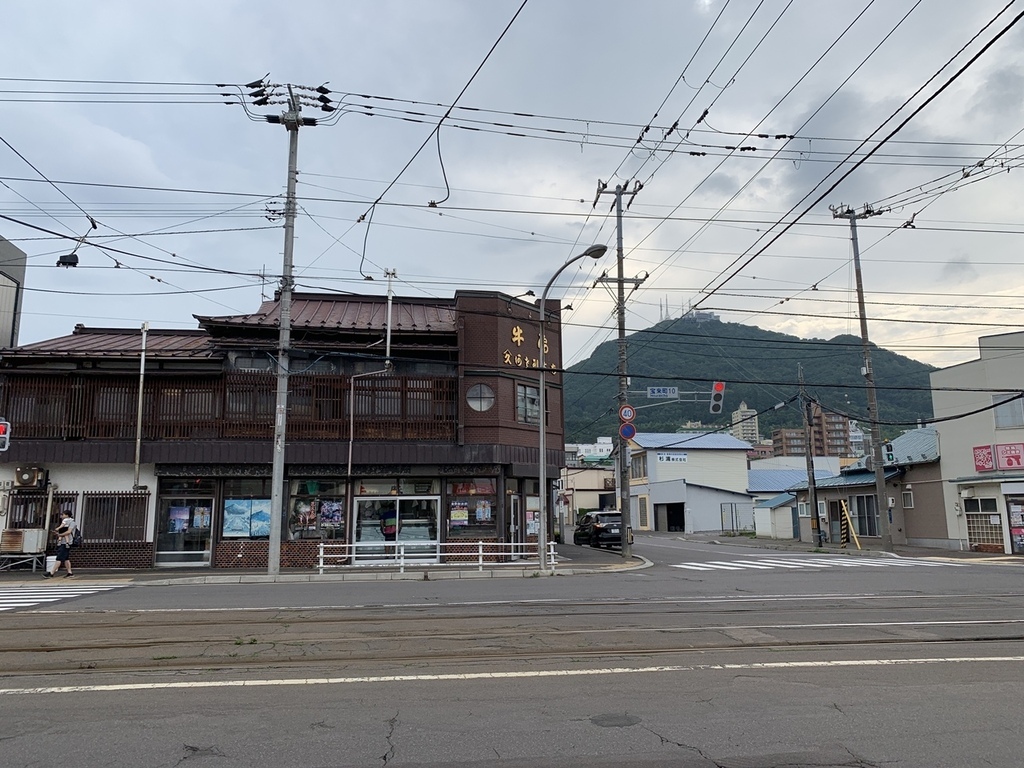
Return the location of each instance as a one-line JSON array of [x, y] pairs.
[[65, 535]]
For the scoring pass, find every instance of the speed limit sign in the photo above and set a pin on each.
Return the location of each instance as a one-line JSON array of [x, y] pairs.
[[627, 413]]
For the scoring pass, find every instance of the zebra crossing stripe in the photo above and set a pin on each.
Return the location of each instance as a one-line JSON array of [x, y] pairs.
[[767, 563], [724, 564], [12, 598]]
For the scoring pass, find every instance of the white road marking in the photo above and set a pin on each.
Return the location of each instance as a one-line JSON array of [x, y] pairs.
[[522, 674], [768, 563], [24, 597]]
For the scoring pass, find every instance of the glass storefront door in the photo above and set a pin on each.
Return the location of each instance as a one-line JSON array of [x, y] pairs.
[[183, 531], [390, 527]]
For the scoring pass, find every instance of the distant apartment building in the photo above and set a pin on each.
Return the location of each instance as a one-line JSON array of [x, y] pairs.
[[589, 452], [830, 436], [744, 424]]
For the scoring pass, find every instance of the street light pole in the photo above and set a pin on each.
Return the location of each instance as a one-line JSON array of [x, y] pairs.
[[594, 252]]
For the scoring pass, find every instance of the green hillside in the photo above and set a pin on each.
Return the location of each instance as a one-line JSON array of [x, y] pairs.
[[759, 368]]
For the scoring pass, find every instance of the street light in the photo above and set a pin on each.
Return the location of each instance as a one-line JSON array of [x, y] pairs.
[[594, 252]]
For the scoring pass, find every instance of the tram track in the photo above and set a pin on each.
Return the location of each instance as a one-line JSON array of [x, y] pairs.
[[581, 657]]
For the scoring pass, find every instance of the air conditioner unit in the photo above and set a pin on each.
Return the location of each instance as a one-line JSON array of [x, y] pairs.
[[23, 541], [29, 477]]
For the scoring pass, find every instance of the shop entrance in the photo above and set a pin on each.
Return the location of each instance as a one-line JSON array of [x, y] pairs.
[[400, 526], [183, 531], [515, 525]]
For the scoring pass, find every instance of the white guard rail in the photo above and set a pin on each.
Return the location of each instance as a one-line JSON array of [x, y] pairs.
[[450, 554]]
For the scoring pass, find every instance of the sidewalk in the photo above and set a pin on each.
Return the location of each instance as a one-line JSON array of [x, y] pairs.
[[869, 547], [572, 561]]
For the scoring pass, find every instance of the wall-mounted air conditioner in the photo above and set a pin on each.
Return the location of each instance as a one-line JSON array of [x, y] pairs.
[[29, 477]]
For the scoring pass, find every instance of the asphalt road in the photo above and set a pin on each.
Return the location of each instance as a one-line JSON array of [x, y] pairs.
[[714, 655]]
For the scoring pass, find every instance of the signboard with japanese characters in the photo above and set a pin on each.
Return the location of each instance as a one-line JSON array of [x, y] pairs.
[[523, 350], [984, 458], [1010, 456]]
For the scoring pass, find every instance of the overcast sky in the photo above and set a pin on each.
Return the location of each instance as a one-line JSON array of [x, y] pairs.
[[116, 104]]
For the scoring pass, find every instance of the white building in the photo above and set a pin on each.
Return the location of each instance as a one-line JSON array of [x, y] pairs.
[[689, 482], [983, 445], [744, 424]]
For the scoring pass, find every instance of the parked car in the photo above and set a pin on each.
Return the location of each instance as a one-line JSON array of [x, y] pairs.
[[600, 528]]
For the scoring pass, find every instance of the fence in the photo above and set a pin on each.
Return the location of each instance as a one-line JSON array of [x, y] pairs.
[[430, 553]]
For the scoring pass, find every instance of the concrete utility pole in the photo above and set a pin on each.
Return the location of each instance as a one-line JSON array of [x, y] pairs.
[[881, 504], [623, 443], [812, 487], [264, 94]]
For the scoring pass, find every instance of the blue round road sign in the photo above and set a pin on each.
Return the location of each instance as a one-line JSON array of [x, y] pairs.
[[627, 431]]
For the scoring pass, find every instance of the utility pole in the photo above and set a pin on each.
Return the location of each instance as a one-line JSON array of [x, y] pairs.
[[812, 487], [623, 443], [885, 524], [264, 94]]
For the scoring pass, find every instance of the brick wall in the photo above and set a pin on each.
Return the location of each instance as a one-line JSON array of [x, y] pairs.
[[121, 554], [242, 553]]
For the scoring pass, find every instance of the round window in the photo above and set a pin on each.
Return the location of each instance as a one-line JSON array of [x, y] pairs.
[[480, 397]]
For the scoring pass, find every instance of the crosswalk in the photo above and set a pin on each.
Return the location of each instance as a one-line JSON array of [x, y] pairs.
[[810, 563], [28, 596]]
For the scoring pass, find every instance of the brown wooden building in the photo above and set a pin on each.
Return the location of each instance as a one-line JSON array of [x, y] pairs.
[[443, 444]]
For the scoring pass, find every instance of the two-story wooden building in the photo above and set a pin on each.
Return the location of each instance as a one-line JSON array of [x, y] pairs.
[[170, 462]]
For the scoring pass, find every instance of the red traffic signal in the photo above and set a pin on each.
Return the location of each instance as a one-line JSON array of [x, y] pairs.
[[717, 397], [5, 435]]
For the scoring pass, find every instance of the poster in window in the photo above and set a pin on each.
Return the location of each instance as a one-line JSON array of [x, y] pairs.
[[177, 519], [483, 511], [459, 513], [237, 513], [201, 517], [330, 513], [259, 521]]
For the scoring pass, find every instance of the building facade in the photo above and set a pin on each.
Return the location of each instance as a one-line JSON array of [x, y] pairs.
[[983, 447], [689, 482], [413, 420]]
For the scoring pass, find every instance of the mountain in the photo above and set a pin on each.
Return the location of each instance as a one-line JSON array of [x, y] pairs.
[[759, 368]]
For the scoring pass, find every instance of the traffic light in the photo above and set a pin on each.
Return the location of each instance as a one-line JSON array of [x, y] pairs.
[[5, 435], [890, 456], [717, 396]]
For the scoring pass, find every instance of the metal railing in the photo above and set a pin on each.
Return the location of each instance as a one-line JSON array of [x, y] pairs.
[[434, 554]]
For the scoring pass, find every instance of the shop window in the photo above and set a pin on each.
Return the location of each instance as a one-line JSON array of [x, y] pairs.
[[527, 404], [316, 509], [472, 509], [246, 508]]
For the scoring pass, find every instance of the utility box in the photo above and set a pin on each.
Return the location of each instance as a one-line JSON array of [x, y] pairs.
[[23, 541]]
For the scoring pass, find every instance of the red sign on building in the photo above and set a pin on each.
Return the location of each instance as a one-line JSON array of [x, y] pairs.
[[984, 458], [1010, 456]]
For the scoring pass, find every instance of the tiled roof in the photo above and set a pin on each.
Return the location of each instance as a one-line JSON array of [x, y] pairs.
[[312, 311], [120, 342], [690, 440]]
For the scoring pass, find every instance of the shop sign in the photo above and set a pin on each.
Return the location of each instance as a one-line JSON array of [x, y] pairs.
[[1010, 456], [984, 458]]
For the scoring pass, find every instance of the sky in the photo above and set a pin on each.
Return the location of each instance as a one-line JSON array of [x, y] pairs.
[[468, 142]]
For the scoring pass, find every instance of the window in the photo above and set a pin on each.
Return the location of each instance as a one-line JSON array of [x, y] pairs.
[[480, 397], [472, 508], [638, 466], [114, 516], [908, 499], [527, 404], [802, 509], [864, 514], [1008, 415], [642, 512]]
